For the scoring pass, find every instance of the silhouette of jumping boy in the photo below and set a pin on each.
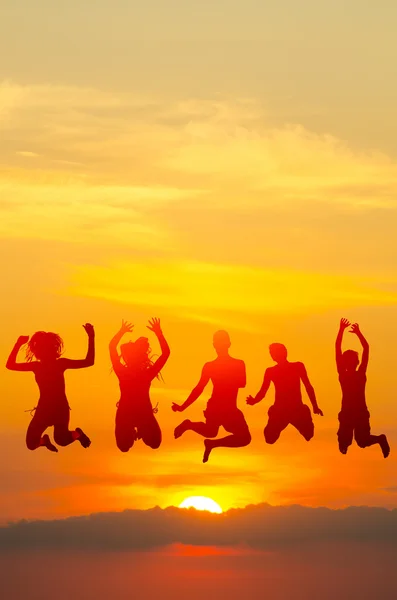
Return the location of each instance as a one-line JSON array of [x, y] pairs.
[[354, 417], [135, 415], [288, 407], [49, 370], [228, 376]]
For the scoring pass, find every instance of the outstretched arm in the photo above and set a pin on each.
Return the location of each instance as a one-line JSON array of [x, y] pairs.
[[310, 390], [263, 391], [89, 360], [196, 393], [154, 325], [114, 342], [344, 324], [12, 364], [364, 360]]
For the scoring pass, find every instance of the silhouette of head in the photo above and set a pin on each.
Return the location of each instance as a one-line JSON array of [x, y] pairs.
[[278, 352], [350, 360], [44, 345], [136, 354], [221, 342]]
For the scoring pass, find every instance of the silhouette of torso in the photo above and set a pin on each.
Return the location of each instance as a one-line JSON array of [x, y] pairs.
[[227, 375], [286, 377], [50, 377], [353, 390], [134, 386]]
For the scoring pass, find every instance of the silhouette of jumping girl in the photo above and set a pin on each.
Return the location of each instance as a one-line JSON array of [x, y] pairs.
[[354, 417], [228, 376], [49, 370], [135, 371], [288, 407]]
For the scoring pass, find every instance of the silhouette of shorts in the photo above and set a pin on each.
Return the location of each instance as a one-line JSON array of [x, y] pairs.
[[232, 420], [299, 416], [130, 416], [51, 416], [353, 423]]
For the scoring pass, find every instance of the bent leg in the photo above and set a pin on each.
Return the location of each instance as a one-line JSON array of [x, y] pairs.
[[237, 426], [276, 424], [364, 438], [207, 429], [303, 422], [345, 432], [35, 437], [63, 436], [150, 433], [125, 432]]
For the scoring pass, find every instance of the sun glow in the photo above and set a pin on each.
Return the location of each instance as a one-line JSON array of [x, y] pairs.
[[201, 503]]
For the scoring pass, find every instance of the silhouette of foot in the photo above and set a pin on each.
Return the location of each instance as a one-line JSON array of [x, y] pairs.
[[83, 438], [208, 447], [384, 444], [48, 444], [343, 450], [180, 430]]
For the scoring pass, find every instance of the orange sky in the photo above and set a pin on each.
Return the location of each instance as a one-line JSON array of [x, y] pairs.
[[252, 195]]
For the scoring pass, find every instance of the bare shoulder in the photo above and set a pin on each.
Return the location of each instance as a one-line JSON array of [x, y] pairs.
[[299, 365], [238, 362]]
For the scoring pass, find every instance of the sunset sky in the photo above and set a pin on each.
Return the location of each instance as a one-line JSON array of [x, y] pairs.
[[219, 165]]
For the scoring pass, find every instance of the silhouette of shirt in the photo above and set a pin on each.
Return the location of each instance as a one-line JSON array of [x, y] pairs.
[[286, 377], [228, 376], [134, 385], [353, 390], [50, 378]]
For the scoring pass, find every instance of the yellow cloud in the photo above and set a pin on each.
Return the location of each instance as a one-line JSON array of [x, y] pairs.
[[204, 291]]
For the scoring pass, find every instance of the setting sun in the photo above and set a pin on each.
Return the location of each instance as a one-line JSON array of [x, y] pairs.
[[201, 503]]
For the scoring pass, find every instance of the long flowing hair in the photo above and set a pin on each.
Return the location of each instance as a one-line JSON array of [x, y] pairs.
[[43, 342], [146, 358]]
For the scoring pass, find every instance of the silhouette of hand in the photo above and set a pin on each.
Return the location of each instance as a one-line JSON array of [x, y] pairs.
[[176, 407], [251, 400], [344, 323], [318, 411], [89, 329], [355, 329], [154, 325], [126, 327], [23, 339]]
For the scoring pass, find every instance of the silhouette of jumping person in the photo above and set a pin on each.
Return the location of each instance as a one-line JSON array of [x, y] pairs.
[[288, 407], [228, 376], [354, 417], [135, 418], [49, 370]]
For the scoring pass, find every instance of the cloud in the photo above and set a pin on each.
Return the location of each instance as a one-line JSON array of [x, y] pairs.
[[262, 526], [203, 291]]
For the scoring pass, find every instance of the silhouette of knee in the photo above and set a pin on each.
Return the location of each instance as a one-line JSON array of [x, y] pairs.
[[246, 439], [211, 432], [32, 444], [123, 446], [154, 444], [270, 437], [61, 440], [362, 442], [308, 436]]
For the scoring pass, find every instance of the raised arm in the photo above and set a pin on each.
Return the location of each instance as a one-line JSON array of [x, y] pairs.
[[197, 391], [12, 364], [364, 359], [344, 324], [114, 342], [267, 379], [309, 389], [89, 360], [154, 325]]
